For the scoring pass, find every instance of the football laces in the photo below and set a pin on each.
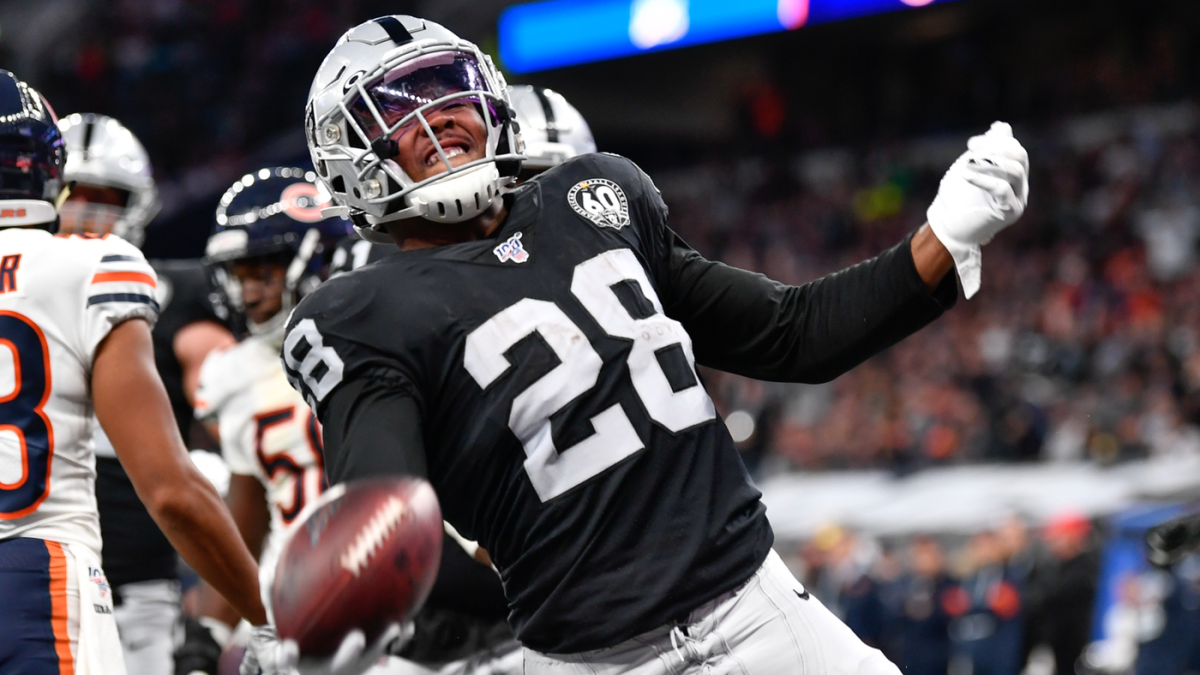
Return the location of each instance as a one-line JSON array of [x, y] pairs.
[[374, 533]]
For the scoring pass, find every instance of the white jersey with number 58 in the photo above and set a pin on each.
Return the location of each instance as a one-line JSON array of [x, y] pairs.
[[267, 431], [59, 298]]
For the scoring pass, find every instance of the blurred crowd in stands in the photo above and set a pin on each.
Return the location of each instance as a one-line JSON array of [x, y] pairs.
[[1084, 343], [204, 85], [1005, 601]]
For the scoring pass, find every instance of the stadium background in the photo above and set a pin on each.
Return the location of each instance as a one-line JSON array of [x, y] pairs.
[[1062, 402]]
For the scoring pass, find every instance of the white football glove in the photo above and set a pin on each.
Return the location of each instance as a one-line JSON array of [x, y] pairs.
[[263, 653], [353, 657], [983, 192]]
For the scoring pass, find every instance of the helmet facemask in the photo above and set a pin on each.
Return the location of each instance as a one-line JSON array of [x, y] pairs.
[[395, 98]]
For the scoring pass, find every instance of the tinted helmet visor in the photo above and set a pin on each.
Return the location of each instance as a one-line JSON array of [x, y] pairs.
[[439, 77]]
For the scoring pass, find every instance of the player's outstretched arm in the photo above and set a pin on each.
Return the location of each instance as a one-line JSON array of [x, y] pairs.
[[747, 324], [133, 409], [247, 504]]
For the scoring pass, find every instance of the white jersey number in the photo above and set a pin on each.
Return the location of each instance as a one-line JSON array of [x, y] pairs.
[[554, 472], [305, 355]]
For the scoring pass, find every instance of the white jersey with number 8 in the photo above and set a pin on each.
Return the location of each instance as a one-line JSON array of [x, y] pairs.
[[59, 298]]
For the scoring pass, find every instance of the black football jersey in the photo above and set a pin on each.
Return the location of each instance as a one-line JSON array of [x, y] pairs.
[[353, 252], [134, 548], [563, 424], [460, 617], [565, 427]]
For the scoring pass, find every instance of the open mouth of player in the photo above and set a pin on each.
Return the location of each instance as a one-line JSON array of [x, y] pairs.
[[451, 147]]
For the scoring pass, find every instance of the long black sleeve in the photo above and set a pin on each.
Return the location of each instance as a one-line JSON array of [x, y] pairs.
[[745, 323], [371, 427]]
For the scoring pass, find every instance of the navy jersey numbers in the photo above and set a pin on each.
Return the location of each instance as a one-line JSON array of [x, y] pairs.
[[24, 388], [594, 284]]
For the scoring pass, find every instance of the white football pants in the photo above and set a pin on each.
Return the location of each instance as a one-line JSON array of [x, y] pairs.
[[505, 659], [768, 626], [148, 621]]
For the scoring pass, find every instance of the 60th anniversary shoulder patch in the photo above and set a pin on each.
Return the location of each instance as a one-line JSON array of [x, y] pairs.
[[601, 201]]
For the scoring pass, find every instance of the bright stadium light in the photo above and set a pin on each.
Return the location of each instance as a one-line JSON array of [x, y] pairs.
[[657, 22], [556, 33]]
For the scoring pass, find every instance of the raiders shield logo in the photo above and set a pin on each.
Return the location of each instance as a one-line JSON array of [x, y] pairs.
[[600, 201]]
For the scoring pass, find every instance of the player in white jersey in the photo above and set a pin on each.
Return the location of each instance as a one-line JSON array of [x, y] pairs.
[[75, 318], [269, 246], [113, 192]]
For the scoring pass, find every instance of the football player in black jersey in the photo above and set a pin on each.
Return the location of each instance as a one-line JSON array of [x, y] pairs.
[[114, 193], [462, 623], [532, 352]]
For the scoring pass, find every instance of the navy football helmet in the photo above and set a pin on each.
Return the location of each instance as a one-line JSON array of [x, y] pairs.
[[32, 157], [274, 213]]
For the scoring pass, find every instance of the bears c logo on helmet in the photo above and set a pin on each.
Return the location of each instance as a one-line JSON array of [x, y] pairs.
[[303, 202]]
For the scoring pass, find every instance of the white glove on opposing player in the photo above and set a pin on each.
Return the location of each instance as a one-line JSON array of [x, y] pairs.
[[983, 192], [353, 657], [263, 653]]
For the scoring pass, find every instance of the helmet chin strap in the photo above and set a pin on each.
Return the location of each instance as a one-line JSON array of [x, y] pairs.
[[291, 279], [459, 197], [462, 196]]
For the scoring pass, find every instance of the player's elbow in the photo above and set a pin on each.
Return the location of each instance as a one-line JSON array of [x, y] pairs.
[[177, 503], [167, 503]]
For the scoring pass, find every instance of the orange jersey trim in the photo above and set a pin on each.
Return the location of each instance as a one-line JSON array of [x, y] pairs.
[[137, 277], [59, 609]]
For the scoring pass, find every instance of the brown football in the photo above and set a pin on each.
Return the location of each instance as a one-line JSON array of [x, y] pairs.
[[364, 556]]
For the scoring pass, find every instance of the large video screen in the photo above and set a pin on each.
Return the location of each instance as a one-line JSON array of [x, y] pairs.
[[555, 33]]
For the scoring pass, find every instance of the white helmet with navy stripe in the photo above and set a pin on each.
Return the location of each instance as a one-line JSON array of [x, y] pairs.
[[552, 129], [382, 77]]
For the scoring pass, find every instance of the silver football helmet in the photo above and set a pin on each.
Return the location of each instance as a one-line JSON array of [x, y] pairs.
[[104, 153], [552, 129], [380, 81]]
